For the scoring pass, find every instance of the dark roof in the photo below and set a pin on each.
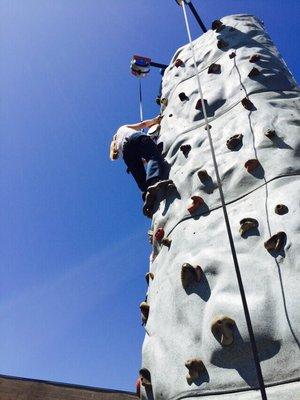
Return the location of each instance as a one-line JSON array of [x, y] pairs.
[[12, 388]]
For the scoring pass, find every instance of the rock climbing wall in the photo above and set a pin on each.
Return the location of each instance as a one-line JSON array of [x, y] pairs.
[[196, 341]]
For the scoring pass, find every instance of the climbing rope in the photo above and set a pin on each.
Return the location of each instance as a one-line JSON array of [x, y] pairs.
[[230, 237], [141, 100]]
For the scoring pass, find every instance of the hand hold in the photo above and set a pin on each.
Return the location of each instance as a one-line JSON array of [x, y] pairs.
[[232, 55], [221, 328], [281, 209], [145, 377], [178, 63], [234, 141], [276, 242], [166, 242], [217, 25], [247, 224], [149, 276], [190, 274], [199, 105], [254, 72], [252, 164], [214, 69], [183, 96], [247, 104], [254, 58], [159, 234], [164, 102], [196, 368], [222, 44], [271, 133], [203, 175], [197, 203], [185, 148], [145, 309]]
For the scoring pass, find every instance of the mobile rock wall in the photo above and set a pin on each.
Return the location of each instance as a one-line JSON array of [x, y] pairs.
[[196, 341]]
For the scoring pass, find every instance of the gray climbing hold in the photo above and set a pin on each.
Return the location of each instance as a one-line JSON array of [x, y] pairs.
[[190, 274], [281, 209], [149, 276], [196, 369], [235, 141], [145, 309], [145, 377], [246, 224], [276, 242], [222, 329], [214, 69]]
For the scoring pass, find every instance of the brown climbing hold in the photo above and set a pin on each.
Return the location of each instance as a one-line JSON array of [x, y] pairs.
[[190, 274], [247, 104], [183, 96], [276, 242], [254, 72], [196, 368], [164, 102], [232, 55], [159, 234], [221, 328], [145, 308], [217, 25], [251, 165], [235, 141], [149, 276], [197, 203], [222, 44], [281, 209], [199, 105], [203, 175], [271, 133], [254, 58], [214, 69], [246, 224], [185, 148], [178, 63], [145, 377], [166, 242]]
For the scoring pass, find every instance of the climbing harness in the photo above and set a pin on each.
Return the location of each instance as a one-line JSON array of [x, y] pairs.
[[194, 11], [230, 237]]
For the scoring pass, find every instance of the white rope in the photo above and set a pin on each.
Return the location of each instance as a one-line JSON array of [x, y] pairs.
[[229, 233], [141, 100]]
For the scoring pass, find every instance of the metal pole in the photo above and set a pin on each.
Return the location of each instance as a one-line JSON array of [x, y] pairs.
[[158, 65]]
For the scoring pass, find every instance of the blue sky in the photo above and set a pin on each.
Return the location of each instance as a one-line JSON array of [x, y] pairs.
[[74, 247]]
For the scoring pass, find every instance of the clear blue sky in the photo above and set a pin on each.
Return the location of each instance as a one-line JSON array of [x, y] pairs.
[[74, 247]]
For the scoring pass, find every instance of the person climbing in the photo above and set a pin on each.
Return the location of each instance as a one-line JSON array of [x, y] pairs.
[[137, 148]]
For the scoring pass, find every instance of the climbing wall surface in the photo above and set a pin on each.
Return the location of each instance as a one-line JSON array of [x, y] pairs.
[[196, 341]]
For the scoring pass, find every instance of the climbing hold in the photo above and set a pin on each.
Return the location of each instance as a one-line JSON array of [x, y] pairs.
[[178, 63], [145, 377], [252, 164], [138, 387], [254, 72], [183, 96], [222, 44], [150, 236], [190, 274], [197, 203], [166, 242], [164, 102], [159, 234], [234, 141], [149, 276], [214, 69], [276, 242], [217, 25], [196, 368], [170, 115], [247, 104], [208, 126], [271, 133], [145, 308], [254, 58], [221, 328], [199, 105], [232, 55], [247, 224], [281, 209], [203, 175], [185, 148]]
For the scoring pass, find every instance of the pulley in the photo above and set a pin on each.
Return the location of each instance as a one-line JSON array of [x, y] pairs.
[[140, 66]]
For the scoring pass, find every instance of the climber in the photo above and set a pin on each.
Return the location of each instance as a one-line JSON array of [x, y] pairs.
[[137, 148]]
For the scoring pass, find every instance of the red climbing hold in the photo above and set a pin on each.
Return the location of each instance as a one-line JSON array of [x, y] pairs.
[[254, 58], [159, 234], [178, 63], [247, 104], [197, 203], [251, 165]]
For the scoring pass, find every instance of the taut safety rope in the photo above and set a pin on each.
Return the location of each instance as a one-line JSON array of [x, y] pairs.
[[232, 246]]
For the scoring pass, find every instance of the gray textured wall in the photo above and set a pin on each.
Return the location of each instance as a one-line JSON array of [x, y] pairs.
[[179, 323]]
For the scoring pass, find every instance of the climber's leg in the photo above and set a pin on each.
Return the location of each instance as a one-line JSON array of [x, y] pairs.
[[135, 165], [148, 150]]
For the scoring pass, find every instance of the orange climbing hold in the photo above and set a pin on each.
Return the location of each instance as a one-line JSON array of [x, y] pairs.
[[196, 204]]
